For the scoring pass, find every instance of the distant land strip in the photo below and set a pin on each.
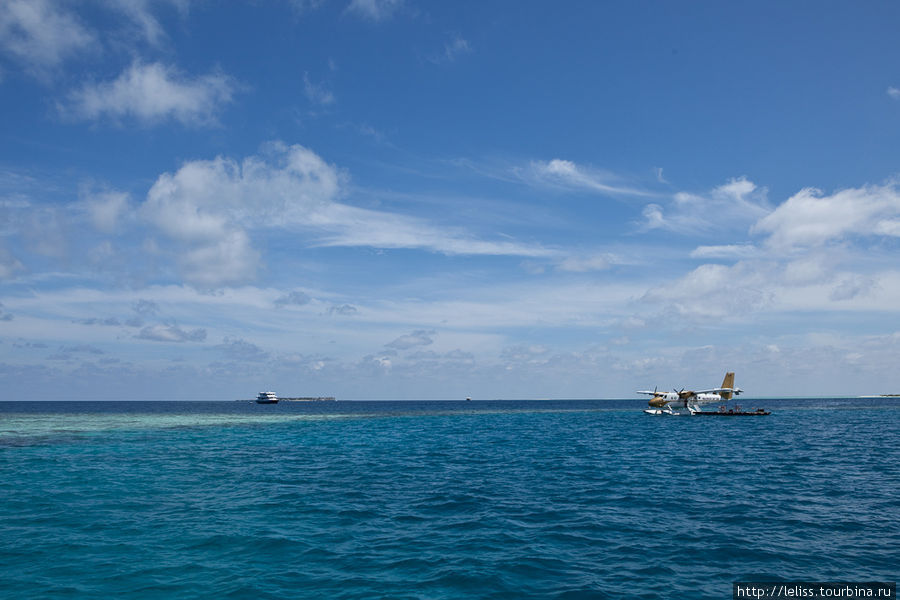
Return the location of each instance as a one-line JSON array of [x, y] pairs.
[[308, 399]]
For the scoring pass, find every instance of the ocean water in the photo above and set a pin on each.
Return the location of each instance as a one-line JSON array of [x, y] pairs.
[[561, 499]]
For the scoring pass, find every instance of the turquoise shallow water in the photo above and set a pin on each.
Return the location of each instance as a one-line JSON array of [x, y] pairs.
[[578, 499]]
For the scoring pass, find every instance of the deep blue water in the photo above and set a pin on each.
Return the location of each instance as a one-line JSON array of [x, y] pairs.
[[550, 499]]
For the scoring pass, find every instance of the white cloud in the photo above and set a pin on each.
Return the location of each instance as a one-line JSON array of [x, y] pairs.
[[453, 49], [210, 205], [352, 226], [810, 218], [302, 6], [242, 350], [567, 174], [585, 264], [205, 197], [317, 93], [107, 209], [40, 34], [344, 310], [714, 291], [151, 93], [727, 208], [171, 333], [412, 340], [735, 251], [9, 264], [293, 298], [456, 48], [140, 14], [893, 93], [227, 259], [374, 10]]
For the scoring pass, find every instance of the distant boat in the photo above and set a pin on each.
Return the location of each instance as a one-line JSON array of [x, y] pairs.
[[267, 398]]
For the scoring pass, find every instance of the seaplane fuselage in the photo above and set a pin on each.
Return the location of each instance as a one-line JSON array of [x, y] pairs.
[[678, 400]]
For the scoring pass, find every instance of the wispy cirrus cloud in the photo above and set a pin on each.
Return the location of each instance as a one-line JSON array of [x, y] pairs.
[[453, 50], [210, 205], [374, 10], [725, 251], [140, 15], [731, 207], [152, 93], [567, 174], [317, 93], [350, 226]]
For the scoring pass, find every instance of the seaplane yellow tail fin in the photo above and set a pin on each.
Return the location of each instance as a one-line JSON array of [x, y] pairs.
[[728, 382]]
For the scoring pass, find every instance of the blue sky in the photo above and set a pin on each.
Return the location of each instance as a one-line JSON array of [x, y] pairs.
[[397, 199]]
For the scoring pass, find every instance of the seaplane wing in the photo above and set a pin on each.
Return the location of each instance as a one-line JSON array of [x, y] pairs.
[[721, 390]]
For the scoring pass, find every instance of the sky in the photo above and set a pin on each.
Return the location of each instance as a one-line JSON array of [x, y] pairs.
[[401, 199]]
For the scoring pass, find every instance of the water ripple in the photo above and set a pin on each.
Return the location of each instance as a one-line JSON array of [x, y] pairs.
[[443, 504]]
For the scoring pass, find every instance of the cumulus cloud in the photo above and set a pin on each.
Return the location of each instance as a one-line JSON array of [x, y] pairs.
[[208, 204], [729, 207], [567, 174], [811, 218], [41, 35], [206, 197], [152, 93], [411, 340], [171, 333]]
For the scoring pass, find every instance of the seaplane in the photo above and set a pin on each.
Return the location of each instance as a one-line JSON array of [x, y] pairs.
[[687, 402]]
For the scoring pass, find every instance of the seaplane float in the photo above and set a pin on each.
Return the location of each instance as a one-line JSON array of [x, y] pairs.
[[684, 402]]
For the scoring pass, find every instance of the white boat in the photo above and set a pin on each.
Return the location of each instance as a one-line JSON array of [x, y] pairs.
[[267, 398]]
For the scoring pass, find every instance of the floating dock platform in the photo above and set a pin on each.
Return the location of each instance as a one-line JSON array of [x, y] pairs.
[[731, 413]]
